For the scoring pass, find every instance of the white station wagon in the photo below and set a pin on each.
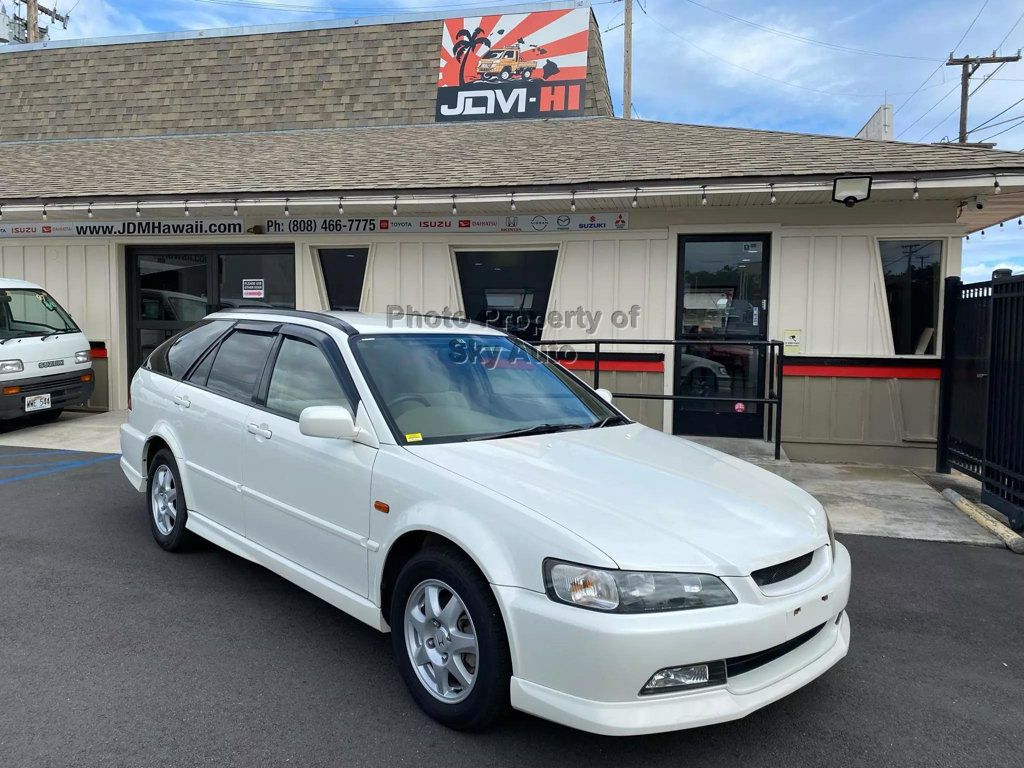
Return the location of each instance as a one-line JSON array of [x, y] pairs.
[[524, 542]]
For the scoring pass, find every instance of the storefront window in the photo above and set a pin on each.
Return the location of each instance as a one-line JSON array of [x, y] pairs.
[[507, 289], [913, 274], [257, 280], [344, 269]]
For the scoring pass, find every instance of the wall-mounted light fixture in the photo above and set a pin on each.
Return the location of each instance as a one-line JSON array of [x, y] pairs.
[[850, 190]]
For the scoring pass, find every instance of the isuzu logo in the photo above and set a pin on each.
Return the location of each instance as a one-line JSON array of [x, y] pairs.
[[51, 363]]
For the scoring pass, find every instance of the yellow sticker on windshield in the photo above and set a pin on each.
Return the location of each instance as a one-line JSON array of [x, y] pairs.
[[413, 437]]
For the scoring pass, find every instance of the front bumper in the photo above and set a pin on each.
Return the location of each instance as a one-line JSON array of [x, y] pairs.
[[585, 669], [65, 390]]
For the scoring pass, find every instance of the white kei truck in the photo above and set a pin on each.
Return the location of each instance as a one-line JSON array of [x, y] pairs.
[[45, 362]]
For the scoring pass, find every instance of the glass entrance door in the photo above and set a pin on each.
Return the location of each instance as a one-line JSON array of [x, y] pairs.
[[722, 295], [172, 287]]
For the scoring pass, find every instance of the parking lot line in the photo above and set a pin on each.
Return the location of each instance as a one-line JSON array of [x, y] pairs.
[[63, 466], [36, 453]]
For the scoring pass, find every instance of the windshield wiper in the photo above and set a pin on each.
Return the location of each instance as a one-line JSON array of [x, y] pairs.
[[536, 429], [608, 421], [55, 333]]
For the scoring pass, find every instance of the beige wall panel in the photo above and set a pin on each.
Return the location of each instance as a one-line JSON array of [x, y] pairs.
[[439, 285], [849, 402], [821, 334], [35, 264], [793, 265], [12, 262], [919, 403], [884, 424], [381, 277], [103, 297]]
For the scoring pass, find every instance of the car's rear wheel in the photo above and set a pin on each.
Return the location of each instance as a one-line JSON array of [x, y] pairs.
[[167, 513], [449, 640]]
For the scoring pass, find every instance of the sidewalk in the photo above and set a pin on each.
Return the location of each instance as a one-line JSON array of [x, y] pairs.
[[74, 431]]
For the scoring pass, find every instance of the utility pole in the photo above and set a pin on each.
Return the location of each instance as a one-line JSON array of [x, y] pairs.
[[627, 66], [968, 66], [32, 11]]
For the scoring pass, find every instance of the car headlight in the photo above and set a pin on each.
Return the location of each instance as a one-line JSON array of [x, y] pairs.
[[11, 366], [632, 591], [83, 357]]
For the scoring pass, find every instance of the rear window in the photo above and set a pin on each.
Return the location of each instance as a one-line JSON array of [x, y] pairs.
[[176, 355], [239, 363]]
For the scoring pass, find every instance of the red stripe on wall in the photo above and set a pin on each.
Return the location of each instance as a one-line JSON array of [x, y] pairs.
[[862, 372], [641, 366]]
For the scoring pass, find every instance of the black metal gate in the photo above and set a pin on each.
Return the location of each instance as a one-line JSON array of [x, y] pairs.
[[981, 404]]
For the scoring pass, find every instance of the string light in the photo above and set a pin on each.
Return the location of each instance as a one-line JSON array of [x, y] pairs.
[[455, 211], [917, 194], [636, 191], [234, 210], [772, 199], [512, 200], [89, 212], [704, 194], [138, 211], [394, 208], [1, 211], [44, 211], [187, 212], [572, 203], [983, 233], [287, 211], [995, 187], [341, 206]]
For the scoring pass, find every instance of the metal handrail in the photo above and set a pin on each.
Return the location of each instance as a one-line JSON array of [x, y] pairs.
[[773, 377]]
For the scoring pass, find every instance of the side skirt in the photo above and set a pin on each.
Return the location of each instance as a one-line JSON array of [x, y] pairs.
[[349, 602]]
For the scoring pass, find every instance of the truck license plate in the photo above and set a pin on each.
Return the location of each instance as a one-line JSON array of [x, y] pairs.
[[37, 403]]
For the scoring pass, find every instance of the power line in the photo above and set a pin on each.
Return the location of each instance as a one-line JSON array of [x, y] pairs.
[[1000, 133], [1001, 122], [808, 40], [999, 114], [942, 64], [713, 55], [945, 96], [1007, 37]]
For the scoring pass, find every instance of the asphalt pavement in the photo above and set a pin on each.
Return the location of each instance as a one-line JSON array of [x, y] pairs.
[[115, 653]]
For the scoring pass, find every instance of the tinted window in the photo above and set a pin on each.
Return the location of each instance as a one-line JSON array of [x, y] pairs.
[[912, 279], [303, 377], [343, 270], [507, 289], [239, 363], [176, 355]]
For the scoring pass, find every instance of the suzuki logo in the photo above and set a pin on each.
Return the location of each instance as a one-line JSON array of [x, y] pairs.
[[483, 102]]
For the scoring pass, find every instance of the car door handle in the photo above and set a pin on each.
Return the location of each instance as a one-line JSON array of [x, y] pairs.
[[256, 429], [182, 400]]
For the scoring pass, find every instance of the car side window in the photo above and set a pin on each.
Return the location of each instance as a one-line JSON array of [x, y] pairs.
[[239, 363], [303, 377], [176, 355]]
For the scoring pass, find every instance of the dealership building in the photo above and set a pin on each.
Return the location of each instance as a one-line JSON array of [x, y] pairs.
[[473, 165]]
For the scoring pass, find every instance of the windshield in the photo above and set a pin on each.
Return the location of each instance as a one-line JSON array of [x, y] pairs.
[[448, 387], [31, 312]]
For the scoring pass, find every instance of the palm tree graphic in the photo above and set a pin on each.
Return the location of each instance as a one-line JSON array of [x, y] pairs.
[[465, 43]]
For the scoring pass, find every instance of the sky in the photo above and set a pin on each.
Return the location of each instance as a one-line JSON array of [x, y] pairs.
[[783, 65]]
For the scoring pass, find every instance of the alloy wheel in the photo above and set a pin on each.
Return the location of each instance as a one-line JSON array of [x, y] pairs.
[[441, 641], [163, 500]]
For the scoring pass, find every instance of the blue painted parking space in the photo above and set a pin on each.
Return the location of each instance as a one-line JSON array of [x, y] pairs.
[[18, 464]]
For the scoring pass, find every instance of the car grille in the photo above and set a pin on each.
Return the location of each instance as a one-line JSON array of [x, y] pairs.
[[737, 665], [781, 571]]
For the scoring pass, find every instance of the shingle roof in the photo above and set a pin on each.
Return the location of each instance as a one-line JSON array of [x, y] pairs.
[[329, 77], [457, 156]]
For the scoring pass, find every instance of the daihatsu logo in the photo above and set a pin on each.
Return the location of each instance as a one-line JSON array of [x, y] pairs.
[[51, 363]]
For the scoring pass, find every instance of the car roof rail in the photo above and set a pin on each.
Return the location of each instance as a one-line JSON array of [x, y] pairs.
[[305, 314]]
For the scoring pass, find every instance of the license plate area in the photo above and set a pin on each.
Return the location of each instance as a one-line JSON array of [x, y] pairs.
[[37, 403]]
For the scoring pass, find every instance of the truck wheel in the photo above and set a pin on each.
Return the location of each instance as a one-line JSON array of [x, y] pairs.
[[167, 513], [506, 73], [527, 74], [449, 640]]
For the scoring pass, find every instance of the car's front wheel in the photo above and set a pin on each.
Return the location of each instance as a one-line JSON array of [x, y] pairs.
[[450, 641], [167, 513]]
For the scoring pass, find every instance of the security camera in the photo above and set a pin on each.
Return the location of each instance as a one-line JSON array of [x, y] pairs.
[[978, 202]]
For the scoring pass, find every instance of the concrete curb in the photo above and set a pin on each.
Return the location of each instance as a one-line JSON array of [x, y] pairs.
[[1013, 541]]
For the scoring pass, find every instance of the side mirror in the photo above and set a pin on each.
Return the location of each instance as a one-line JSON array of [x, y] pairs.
[[330, 421], [605, 394]]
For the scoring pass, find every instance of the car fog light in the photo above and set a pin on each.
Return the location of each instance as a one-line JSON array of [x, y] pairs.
[[685, 677]]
